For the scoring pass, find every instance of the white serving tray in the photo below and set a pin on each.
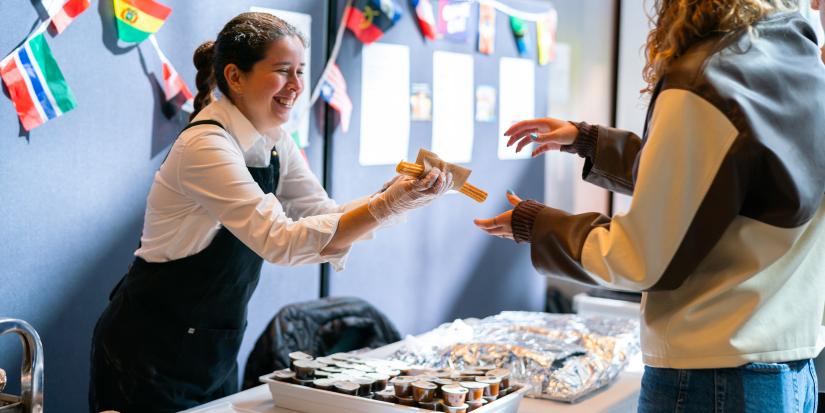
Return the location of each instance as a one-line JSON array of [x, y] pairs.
[[310, 400]]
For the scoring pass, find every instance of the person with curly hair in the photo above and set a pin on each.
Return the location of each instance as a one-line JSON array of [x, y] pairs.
[[726, 230]]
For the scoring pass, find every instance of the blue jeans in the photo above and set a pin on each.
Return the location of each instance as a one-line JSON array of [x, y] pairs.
[[756, 387]]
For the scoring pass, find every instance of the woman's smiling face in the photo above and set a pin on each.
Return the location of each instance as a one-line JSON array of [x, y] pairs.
[[267, 93]]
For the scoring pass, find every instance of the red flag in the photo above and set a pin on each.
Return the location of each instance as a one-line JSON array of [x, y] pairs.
[[63, 12], [177, 94]]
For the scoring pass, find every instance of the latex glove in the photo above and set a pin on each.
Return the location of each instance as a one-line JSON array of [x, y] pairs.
[[548, 133], [502, 224], [408, 193]]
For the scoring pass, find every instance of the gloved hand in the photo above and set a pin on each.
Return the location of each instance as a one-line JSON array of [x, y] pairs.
[[408, 193], [388, 183]]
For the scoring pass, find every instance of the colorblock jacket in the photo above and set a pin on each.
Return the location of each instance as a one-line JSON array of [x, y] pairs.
[[725, 235]]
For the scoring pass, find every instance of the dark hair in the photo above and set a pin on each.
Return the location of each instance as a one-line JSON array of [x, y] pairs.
[[243, 42]]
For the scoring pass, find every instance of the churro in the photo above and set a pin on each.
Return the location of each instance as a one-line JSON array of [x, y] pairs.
[[415, 170]]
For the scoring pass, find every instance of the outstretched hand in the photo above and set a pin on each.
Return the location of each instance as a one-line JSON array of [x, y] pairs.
[[548, 133], [500, 225]]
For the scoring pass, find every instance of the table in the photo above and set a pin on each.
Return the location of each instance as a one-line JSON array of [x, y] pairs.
[[621, 396]]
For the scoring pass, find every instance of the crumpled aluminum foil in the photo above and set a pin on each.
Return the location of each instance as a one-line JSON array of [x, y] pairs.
[[562, 356]]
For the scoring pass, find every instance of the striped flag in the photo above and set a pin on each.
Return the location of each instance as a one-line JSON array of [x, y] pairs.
[[63, 12], [137, 19], [426, 18], [35, 84], [334, 91], [174, 87]]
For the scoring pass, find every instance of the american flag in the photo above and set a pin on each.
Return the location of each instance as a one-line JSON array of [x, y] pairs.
[[334, 91]]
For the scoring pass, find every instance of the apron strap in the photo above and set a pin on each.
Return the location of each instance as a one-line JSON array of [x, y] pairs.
[[203, 122], [193, 124]]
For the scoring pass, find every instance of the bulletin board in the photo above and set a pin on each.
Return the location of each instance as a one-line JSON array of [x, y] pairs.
[[438, 266]]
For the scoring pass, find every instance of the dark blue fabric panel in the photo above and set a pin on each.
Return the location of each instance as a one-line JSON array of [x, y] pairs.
[[439, 266]]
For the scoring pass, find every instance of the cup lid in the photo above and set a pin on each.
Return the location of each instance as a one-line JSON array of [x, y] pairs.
[[299, 355], [347, 386], [305, 364], [425, 385], [454, 388], [489, 379]]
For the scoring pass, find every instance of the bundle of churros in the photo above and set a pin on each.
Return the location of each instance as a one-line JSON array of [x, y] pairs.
[[415, 170]]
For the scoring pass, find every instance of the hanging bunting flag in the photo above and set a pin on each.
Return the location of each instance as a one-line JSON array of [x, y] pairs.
[[35, 84], [453, 16], [520, 31], [334, 91], [63, 12], [486, 28], [177, 94], [369, 19], [426, 18], [546, 37], [137, 19]]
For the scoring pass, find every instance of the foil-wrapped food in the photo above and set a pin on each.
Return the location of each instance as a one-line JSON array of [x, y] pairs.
[[562, 356]]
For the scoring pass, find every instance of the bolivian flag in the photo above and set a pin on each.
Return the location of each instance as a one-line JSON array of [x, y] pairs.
[[137, 19]]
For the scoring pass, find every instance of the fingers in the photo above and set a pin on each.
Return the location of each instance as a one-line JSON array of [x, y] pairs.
[[544, 148], [521, 128], [443, 182], [523, 134], [513, 198], [427, 182], [448, 184], [489, 226], [524, 142], [390, 182], [486, 224]]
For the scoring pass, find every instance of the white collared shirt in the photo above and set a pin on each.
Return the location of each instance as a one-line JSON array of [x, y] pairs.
[[204, 184]]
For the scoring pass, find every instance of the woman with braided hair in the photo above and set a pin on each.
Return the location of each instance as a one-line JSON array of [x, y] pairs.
[[233, 191]]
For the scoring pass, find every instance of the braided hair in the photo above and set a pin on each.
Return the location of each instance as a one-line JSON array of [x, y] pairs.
[[242, 42]]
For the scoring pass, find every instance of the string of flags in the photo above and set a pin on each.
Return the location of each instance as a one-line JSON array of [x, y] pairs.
[[39, 91], [36, 85], [368, 20]]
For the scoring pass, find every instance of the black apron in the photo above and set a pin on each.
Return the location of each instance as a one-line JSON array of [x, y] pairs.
[[169, 338]]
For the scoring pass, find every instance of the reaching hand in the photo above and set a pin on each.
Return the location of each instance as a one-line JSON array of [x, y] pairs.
[[407, 193], [548, 133], [501, 225]]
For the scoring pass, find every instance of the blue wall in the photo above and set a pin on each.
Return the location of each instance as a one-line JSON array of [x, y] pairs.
[[74, 189]]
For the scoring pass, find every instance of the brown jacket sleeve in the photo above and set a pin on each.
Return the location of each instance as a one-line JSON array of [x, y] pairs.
[[611, 156]]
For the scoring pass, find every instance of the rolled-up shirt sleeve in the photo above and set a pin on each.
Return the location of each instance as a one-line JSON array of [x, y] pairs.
[[213, 173]]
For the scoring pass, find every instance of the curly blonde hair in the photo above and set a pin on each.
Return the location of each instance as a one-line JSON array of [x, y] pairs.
[[678, 24]]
